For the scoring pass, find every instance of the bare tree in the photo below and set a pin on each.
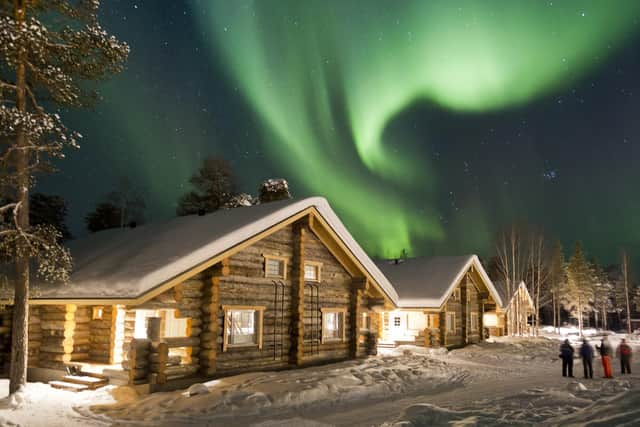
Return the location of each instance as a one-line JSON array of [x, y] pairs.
[[511, 257], [538, 273]]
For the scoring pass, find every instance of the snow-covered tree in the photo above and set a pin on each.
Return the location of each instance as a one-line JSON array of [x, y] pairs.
[[603, 291], [214, 186], [49, 50], [274, 189], [579, 292]]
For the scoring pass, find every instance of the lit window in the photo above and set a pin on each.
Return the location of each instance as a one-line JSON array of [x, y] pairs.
[[451, 322], [333, 324], [173, 326], [366, 322], [242, 326], [396, 321], [312, 271], [275, 267], [98, 311]]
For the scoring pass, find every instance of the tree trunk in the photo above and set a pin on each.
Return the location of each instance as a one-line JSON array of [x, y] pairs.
[[580, 315], [625, 273], [19, 353]]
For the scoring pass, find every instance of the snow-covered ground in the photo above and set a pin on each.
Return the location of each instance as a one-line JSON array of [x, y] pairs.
[[506, 381]]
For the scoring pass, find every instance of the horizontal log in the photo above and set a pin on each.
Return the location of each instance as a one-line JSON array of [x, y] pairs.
[[181, 370], [173, 342]]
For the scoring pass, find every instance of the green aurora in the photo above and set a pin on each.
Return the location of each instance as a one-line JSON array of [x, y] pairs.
[[328, 78]]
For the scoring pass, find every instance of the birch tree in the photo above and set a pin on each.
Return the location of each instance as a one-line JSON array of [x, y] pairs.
[[49, 50], [557, 281]]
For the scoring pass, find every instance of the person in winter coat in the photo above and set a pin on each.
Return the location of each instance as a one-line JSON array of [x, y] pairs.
[[605, 352], [566, 354], [624, 353], [586, 353]]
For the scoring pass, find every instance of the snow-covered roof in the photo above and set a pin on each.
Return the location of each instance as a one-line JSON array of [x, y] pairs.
[[507, 298], [427, 282], [128, 263]]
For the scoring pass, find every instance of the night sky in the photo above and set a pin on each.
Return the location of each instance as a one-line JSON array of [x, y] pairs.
[[427, 125]]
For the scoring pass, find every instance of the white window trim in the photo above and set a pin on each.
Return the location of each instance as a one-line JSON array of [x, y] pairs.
[[342, 311], [452, 329], [318, 267], [471, 323], [257, 308], [282, 259]]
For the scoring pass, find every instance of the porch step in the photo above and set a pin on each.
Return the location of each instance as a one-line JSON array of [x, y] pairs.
[[64, 385], [91, 381]]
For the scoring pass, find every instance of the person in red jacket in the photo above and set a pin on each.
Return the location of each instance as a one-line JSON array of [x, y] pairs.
[[624, 353]]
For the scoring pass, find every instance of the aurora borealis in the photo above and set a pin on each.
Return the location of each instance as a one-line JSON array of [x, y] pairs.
[[427, 125]]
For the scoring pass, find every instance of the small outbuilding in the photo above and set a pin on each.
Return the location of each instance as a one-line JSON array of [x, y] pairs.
[[514, 316], [441, 301]]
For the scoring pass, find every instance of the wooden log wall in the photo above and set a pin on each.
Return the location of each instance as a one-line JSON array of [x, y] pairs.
[[335, 291], [474, 306], [81, 333], [247, 285], [6, 316], [35, 336], [453, 338], [209, 324], [102, 335]]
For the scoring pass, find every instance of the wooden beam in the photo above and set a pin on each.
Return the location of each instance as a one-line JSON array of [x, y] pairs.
[[297, 300]]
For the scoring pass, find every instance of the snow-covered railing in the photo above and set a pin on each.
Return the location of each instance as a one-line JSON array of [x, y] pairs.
[[149, 360]]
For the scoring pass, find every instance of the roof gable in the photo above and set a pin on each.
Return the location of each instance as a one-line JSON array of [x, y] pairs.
[[133, 265], [428, 282]]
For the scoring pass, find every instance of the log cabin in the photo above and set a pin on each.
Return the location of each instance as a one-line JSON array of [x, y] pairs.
[[267, 287], [441, 301], [514, 316]]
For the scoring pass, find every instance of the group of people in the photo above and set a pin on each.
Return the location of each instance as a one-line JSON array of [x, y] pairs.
[[586, 354]]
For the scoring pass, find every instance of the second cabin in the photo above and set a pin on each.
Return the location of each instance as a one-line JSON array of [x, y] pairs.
[[441, 301], [272, 286]]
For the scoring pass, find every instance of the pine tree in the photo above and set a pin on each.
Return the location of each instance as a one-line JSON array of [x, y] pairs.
[[48, 51], [105, 216], [50, 210], [579, 285], [214, 187]]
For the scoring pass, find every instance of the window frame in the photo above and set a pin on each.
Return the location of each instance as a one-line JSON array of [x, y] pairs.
[[342, 333], [457, 294], [97, 312], [282, 259], [472, 316], [397, 321], [450, 330], [259, 311], [318, 266]]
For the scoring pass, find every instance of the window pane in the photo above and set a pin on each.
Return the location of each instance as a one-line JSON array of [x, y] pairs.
[[396, 321], [332, 325], [242, 326], [311, 272], [275, 268]]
